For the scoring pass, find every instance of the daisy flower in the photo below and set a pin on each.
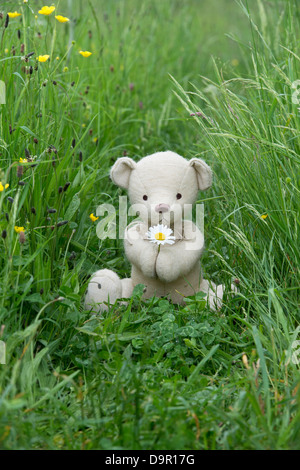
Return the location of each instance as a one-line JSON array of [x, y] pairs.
[[161, 234]]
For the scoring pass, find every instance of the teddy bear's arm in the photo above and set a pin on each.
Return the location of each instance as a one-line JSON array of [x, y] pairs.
[[140, 252], [175, 261]]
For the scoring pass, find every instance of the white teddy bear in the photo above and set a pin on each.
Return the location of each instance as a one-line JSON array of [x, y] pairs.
[[163, 248]]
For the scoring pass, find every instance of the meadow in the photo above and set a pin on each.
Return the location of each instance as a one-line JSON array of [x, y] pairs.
[[211, 79]]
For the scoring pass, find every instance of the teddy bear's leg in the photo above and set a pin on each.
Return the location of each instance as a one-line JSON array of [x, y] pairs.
[[106, 286], [214, 293]]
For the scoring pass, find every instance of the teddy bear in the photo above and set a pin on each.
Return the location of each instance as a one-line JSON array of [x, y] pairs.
[[163, 247]]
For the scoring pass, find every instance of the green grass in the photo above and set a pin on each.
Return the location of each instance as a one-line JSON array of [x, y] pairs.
[[150, 375]]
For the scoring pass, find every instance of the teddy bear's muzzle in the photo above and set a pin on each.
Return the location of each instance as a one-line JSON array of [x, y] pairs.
[[161, 208]]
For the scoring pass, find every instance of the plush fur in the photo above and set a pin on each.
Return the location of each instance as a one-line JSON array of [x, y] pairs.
[[174, 270]]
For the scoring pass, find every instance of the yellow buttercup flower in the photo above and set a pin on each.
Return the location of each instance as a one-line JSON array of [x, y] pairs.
[[43, 58], [19, 229], [14, 14], [23, 160], [245, 361], [235, 62], [93, 218], [62, 19], [85, 53], [2, 187], [264, 216], [46, 10]]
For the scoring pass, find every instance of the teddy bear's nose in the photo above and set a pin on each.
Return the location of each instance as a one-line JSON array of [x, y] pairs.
[[162, 208]]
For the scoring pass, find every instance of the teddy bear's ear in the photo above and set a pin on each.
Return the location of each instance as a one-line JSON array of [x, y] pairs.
[[203, 172], [121, 171]]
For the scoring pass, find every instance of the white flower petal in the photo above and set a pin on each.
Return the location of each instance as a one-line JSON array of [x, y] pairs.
[[161, 229]]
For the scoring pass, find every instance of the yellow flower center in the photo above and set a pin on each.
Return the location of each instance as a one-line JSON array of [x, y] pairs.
[[160, 236]]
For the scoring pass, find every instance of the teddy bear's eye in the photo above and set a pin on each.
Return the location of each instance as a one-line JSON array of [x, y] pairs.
[[145, 198], [178, 196]]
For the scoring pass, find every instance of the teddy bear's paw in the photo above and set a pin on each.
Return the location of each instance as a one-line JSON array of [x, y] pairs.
[[147, 261], [127, 288], [105, 287], [148, 270], [167, 269]]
